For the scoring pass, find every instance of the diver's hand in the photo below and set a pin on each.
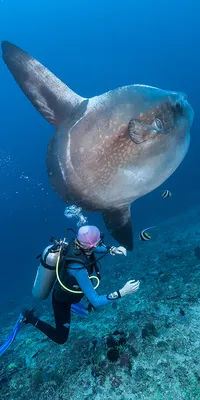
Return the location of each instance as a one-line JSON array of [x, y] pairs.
[[129, 288], [118, 250], [28, 315]]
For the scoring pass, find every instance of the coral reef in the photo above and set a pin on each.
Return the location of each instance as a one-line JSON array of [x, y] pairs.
[[144, 346]]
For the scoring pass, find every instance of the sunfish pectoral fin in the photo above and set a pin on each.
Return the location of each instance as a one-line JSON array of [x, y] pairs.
[[140, 131], [50, 96], [118, 223]]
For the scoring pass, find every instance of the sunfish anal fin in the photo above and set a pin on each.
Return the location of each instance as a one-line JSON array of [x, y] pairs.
[[49, 95], [118, 223]]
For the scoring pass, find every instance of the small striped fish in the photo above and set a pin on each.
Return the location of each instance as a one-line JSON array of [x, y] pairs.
[[144, 234], [166, 194]]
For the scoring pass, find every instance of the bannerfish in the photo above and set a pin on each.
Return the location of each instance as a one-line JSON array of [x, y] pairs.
[[108, 150], [166, 194], [144, 236]]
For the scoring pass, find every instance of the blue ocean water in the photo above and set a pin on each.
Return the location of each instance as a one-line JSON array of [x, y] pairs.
[[93, 46]]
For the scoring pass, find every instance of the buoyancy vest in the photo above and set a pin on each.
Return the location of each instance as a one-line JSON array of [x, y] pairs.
[[69, 254]]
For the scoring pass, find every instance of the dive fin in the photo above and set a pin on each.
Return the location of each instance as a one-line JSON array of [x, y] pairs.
[[118, 223], [49, 95], [13, 335], [80, 309]]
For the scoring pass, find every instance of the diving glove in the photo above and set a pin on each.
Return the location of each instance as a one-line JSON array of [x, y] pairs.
[[118, 250], [29, 317], [90, 307]]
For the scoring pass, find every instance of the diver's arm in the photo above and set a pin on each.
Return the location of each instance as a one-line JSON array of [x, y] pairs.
[[111, 249], [85, 284], [101, 249]]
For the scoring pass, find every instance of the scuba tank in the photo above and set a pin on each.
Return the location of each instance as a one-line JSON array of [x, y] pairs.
[[46, 273]]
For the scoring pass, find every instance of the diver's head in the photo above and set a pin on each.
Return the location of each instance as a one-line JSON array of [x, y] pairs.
[[88, 237]]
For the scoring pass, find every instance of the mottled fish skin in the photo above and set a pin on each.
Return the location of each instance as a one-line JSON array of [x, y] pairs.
[[108, 150], [116, 170]]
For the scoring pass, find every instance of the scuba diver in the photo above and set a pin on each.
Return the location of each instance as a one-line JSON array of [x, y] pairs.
[[70, 267]]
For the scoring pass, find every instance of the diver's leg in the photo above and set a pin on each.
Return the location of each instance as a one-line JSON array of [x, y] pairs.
[[62, 316]]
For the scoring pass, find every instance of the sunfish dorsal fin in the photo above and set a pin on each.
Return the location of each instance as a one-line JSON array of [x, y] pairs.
[[118, 223], [50, 96]]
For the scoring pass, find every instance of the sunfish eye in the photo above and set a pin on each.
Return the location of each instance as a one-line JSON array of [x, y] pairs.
[[157, 125], [179, 107]]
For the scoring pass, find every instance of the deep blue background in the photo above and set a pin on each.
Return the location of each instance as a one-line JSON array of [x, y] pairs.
[[93, 46]]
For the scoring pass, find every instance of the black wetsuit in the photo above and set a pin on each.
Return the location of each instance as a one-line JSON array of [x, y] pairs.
[[62, 315], [62, 300]]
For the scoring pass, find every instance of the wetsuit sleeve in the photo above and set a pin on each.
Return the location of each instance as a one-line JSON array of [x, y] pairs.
[[101, 249], [85, 284]]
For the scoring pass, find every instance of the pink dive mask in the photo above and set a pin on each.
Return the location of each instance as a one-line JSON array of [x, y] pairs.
[[88, 236]]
